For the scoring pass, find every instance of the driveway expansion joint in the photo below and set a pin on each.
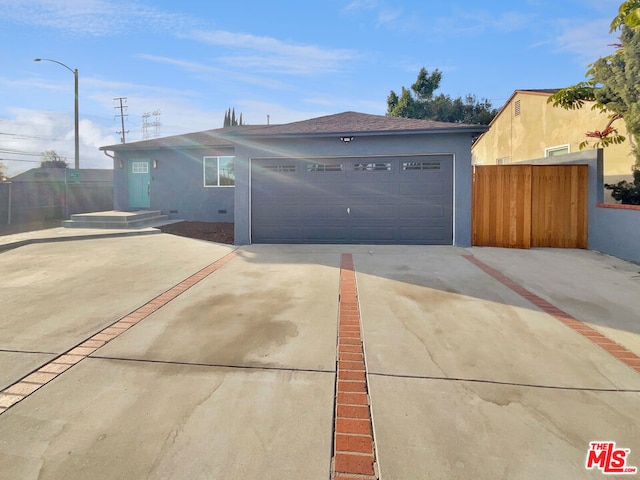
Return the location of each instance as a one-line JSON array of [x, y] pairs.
[[353, 443], [44, 374], [614, 349]]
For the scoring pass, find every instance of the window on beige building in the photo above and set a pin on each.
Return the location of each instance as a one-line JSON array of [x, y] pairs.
[[555, 151]]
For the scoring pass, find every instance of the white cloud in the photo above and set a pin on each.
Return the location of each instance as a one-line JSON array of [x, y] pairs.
[[31, 132], [588, 41], [273, 55], [91, 17], [359, 5], [389, 16], [201, 68]]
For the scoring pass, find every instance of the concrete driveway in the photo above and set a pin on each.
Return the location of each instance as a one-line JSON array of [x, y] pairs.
[[160, 357]]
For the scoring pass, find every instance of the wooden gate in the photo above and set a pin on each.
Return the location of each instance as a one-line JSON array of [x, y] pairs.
[[524, 206]]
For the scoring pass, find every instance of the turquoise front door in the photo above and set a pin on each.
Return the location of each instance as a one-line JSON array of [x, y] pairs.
[[139, 183]]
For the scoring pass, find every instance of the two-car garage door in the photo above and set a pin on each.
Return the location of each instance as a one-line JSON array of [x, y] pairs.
[[376, 200]]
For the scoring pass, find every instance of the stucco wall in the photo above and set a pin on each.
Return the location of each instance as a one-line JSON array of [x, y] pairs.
[[540, 126], [616, 231], [458, 144], [177, 185]]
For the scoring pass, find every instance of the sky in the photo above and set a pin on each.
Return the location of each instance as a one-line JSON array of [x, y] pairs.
[[279, 59]]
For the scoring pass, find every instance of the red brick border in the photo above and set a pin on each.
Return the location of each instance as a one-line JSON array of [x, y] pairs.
[[618, 351], [618, 206], [353, 447], [32, 382]]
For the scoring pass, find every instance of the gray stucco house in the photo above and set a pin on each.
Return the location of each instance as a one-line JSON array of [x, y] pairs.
[[344, 178]]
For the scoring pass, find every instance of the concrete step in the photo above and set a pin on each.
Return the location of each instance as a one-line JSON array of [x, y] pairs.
[[115, 219]]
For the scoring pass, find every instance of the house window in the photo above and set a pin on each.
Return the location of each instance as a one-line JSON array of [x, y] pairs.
[[140, 167], [219, 171], [556, 151]]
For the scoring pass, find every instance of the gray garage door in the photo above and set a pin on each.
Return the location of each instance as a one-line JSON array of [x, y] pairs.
[[378, 200]]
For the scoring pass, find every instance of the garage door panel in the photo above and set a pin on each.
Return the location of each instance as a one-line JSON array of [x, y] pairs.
[[432, 235], [279, 234], [421, 211], [276, 211], [368, 212], [325, 190], [275, 191], [371, 189], [337, 212], [324, 234], [426, 188], [390, 200], [365, 234]]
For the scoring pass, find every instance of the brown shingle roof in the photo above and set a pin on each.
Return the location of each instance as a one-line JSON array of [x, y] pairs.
[[346, 123], [354, 122]]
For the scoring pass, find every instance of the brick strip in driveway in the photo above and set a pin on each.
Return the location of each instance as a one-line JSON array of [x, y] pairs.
[[32, 382], [353, 443], [616, 350]]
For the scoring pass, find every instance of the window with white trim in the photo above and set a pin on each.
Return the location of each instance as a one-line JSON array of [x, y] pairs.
[[219, 171], [140, 167], [556, 151]]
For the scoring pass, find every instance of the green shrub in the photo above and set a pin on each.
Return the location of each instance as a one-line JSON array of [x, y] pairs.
[[627, 193]]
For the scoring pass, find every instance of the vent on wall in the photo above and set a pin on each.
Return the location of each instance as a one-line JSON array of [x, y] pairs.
[[517, 108]]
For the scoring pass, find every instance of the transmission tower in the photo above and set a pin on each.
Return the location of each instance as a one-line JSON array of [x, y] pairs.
[[123, 108], [155, 125]]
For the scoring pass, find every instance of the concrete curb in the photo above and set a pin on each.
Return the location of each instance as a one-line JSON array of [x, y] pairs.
[[89, 236]]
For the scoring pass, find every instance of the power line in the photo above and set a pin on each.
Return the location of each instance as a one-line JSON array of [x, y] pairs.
[[22, 136], [16, 152], [18, 160]]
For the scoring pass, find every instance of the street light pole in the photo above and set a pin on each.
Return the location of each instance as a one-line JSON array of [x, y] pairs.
[[76, 112]]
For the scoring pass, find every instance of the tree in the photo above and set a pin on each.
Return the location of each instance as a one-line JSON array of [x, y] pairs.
[[230, 119], [612, 84], [420, 102], [3, 169], [51, 159]]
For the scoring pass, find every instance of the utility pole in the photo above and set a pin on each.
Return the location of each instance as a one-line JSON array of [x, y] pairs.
[[122, 108], [155, 124]]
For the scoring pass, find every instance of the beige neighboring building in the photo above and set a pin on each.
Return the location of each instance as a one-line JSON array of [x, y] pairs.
[[528, 127]]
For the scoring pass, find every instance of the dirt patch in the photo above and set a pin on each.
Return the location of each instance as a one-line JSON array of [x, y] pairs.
[[220, 232]]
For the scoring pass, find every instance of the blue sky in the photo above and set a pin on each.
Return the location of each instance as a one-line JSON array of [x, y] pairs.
[[192, 60]]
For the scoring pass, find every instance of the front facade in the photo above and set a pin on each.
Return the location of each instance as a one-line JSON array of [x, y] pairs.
[[528, 127], [346, 178]]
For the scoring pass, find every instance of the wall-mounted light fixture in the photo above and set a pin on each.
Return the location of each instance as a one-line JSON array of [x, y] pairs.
[[346, 139], [155, 164], [121, 164]]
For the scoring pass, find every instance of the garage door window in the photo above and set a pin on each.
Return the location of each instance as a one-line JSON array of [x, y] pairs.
[[325, 167], [283, 168], [406, 166], [372, 167], [219, 171]]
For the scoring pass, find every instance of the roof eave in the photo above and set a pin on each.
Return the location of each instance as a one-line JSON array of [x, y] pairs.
[[349, 133]]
